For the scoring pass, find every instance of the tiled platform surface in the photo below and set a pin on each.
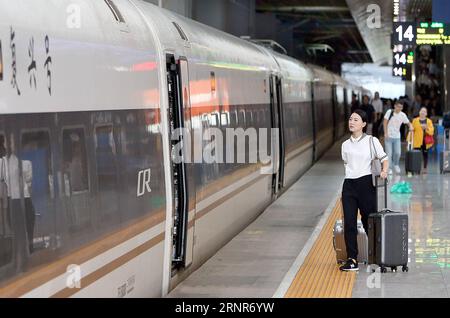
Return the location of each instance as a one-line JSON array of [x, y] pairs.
[[255, 262], [429, 241]]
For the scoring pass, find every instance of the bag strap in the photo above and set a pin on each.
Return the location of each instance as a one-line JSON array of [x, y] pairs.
[[374, 148], [391, 115]]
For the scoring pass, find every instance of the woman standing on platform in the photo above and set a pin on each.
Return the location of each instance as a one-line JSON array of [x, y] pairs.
[[358, 192], [423, 135]]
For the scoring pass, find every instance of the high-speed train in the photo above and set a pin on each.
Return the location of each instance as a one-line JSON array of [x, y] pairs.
[[93, 202]]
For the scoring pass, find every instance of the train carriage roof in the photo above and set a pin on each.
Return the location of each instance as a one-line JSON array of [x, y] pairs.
[[207, 45]]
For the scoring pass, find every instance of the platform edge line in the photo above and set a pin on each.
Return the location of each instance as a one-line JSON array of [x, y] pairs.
[[292, 272]]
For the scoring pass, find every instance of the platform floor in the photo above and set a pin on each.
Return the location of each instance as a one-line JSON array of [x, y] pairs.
[[429, 242], [257, 260], [277, 255]]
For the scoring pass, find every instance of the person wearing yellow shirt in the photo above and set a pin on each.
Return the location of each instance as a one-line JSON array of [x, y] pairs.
[[423, 135]]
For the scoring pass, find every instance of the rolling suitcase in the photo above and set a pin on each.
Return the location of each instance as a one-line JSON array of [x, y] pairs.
[[413, 159], [445, 154], [388, 238], [339, 243]]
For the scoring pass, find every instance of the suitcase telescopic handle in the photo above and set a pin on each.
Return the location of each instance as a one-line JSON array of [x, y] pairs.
[[411, 143], [385, 187]]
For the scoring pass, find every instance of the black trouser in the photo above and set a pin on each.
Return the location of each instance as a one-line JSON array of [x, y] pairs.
[[424, 154], [357, 194]]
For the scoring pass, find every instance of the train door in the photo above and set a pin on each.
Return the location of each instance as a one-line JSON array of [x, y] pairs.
[[277, 122], [182, 167], [335, 112]]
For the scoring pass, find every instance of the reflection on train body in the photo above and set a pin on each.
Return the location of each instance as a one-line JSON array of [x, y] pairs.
[[71, 179]]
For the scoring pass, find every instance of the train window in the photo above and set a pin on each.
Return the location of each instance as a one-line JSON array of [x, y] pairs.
[[224, 119], [214, 120], [115, 11], [242, 118], [38, 190], [105, 151], [234, 118], [249, 116], [180, 31], [75, 161], [143, 153]]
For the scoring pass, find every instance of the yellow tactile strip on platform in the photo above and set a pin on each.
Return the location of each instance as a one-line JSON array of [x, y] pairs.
[[319, 276]]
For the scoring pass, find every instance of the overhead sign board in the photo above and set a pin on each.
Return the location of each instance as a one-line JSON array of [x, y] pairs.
[[402, 64], [404, 33], [432, 34]]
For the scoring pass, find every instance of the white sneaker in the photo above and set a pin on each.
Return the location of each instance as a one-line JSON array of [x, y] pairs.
[[390, 171], [397, 169]]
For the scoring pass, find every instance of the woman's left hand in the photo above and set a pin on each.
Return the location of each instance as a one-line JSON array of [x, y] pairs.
[[383, 175]]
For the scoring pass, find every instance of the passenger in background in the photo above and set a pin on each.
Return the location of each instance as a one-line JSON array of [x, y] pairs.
[[436, 107], [407, 103], [355, 103], [387, 106], [423, 135], [370, 111], [377, 104], [358, 192], [432, 68], [393, 120], [416, 106]]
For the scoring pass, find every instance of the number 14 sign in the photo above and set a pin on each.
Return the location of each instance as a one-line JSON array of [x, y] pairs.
[[404, 33]]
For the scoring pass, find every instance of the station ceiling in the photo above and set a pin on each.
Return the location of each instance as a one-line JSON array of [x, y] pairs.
[[342, 25]]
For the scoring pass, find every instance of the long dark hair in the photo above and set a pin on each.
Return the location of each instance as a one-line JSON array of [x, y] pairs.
[[361, 114]]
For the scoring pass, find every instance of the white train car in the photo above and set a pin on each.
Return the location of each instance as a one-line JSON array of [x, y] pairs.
[[295, 81], [98, 99], [341, 102], [323, 104]]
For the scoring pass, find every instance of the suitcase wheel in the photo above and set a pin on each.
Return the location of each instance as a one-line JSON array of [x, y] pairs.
[[405, 269], [394, 269], [383, 269]]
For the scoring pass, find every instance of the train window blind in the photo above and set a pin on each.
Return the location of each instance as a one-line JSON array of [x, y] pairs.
[[115, 11], [180, 31]]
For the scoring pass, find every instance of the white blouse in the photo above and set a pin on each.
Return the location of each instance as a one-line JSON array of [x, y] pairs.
[[357, 158], [9, 172]]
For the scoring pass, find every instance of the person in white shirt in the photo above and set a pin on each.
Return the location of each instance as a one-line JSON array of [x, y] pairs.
[[393, 120], [377, 103], [358, 192]]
